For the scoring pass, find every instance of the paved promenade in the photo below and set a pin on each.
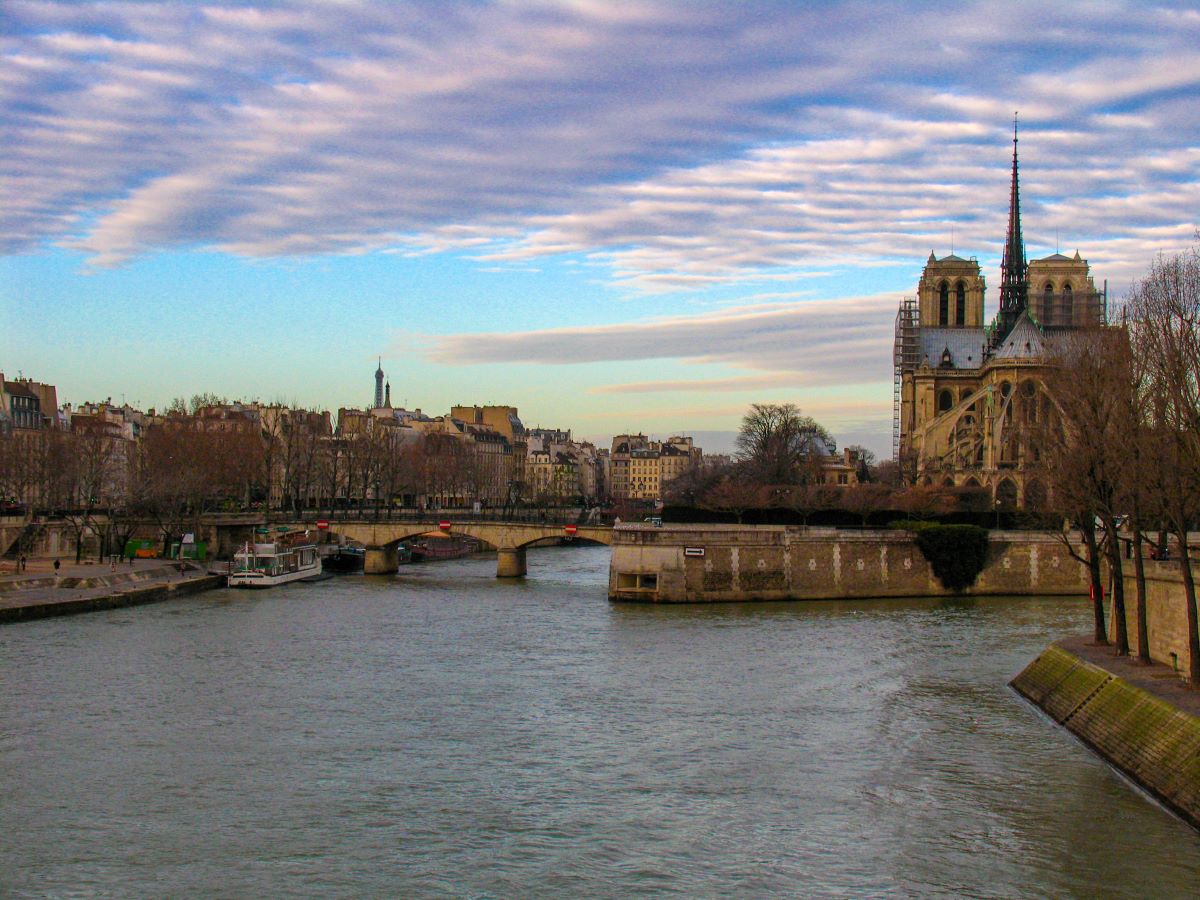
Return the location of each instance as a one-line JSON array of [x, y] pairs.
[[39, 592], [1155, 679]]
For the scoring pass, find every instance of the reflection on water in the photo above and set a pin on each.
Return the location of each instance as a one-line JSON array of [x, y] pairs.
[[442, 733]]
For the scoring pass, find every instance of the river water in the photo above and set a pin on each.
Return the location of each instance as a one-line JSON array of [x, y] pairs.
[[445, 734]]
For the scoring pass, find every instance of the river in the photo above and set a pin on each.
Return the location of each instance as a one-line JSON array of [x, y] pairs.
[[444, 734]]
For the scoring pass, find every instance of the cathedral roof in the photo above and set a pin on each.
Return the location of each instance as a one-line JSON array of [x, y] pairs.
[[950, 260], [966, 346], [1025, 341]]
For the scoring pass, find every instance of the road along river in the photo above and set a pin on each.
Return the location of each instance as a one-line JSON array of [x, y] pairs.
[[445, 733]]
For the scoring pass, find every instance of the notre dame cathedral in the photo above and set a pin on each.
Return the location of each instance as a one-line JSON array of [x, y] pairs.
[[961, 384]]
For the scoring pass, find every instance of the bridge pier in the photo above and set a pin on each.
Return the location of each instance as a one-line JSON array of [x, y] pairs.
[[381, 560], [510, 562]]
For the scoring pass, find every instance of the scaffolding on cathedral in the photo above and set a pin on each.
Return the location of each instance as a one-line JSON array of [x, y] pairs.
[[1067, 309], [905, 356]]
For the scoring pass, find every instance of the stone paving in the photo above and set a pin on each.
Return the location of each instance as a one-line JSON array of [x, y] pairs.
[[39, 591], [1156, 679]]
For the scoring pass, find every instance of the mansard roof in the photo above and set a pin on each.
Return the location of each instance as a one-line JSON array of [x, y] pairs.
[[966, 346]]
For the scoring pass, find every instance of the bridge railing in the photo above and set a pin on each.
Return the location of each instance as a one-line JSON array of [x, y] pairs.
[[568, 516]]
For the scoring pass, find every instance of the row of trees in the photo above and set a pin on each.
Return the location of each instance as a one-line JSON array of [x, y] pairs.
[[725, 491], [1123, 450], [175, 472], [781, 465]]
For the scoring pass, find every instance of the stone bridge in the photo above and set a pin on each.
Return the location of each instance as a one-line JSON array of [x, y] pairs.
[[510, 539]]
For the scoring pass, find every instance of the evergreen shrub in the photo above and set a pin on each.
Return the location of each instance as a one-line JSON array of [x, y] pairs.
[[909, 524], [956, 553]]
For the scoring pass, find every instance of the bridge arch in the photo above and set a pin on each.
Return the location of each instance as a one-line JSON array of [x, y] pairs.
[[510, 540]]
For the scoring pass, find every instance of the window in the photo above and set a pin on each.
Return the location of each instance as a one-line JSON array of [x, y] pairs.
[[960, 305], [944, 304], [945, 401]]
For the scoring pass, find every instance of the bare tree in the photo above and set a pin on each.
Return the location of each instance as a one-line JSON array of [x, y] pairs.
[[1086, 450], [924, 501], [22, 455], [864, 499], [1164, 317], [692, 483], [734, 495], [806, 499], [775, 439], [93, 461]]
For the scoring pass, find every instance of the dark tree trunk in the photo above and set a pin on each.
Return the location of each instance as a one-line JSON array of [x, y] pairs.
[[1189, 599], [1099, 632], [1139, 570], [1120, 625]]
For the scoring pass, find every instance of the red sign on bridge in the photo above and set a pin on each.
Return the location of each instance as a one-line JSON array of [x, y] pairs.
[[570, 529], [323, 524], [444, 525]]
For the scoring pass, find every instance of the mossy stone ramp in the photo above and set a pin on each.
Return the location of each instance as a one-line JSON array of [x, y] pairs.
[[1147, 738]]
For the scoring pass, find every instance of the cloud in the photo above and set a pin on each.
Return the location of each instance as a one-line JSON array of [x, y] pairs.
[[681, 146], [809, 343], [705, 385]]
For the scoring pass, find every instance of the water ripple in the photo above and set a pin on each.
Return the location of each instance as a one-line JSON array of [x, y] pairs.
[[444, 734]]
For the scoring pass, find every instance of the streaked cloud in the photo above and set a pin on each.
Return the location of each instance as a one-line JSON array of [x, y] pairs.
[[753, 161], [808, 343], [705, 385], [679, 145]]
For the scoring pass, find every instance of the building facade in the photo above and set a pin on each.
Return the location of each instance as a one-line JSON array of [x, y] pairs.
[[965, 389]]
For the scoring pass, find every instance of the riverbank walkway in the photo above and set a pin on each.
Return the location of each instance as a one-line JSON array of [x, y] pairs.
[[1155, 679], [39, 592]]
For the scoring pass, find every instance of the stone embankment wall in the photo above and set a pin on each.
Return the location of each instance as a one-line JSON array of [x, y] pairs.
[[71, 596], [1166, 612], [1150, 740], [699, 563]]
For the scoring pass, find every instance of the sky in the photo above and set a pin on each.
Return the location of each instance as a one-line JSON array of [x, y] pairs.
[[618, 217]]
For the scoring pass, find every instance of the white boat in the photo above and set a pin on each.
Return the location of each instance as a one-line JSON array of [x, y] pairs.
[[262, 564]]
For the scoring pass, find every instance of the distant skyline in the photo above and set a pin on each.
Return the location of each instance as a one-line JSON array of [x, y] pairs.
[[614, 216]]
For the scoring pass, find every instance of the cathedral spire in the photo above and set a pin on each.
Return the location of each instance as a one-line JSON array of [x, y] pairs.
[[379, 385], [1014, 284], [1014, 270]]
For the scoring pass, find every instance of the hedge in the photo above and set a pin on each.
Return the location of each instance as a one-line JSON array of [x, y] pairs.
[[956, 553]]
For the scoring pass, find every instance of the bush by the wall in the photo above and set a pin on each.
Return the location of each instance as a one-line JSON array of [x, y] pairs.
[[910, 524], [956, 553]]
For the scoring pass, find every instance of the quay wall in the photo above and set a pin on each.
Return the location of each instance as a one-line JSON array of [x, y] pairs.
[[723, 563], [1166, 611], [69, 601], [1152, 741]]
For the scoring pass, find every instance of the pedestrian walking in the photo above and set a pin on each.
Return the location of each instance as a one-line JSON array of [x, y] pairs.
[[22, 563], [56, 564]]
